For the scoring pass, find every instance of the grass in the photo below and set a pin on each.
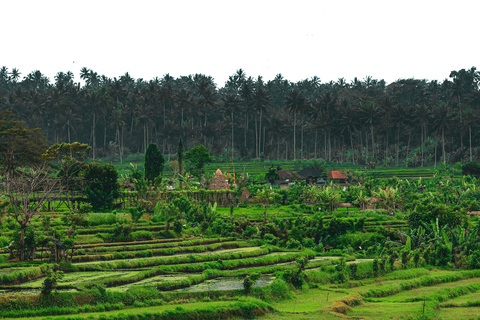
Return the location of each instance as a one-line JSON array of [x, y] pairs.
[[153, 309], [458, 313], [386, 310], [311, 300]]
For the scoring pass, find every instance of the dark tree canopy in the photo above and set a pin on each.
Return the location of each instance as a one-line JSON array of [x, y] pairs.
[[409, 122], [471, 169], [180, 156], [154, 162], [20, 146], [102, 185], [196, 159]]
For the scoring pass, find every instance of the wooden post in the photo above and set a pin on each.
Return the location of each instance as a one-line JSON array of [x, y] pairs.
[[423, 306], [327, 295]]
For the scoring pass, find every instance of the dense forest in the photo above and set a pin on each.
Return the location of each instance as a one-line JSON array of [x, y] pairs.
[[409, 122]]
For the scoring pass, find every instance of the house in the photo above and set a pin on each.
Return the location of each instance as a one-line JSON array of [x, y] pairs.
[[286, 178], [310, 174], [337, 176]]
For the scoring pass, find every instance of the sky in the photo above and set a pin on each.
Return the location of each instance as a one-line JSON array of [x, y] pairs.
[[388, 40]]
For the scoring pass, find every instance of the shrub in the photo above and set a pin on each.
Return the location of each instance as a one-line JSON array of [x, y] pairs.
[[473, 261], [249, 282], [154, 162], [141, 235], [102, 187], [269, 238], [293, 244]]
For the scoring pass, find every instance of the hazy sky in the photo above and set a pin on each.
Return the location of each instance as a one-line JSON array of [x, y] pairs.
[[330, 39]]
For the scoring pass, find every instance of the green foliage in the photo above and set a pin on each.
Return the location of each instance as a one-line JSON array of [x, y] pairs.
[[473, 260], [195, 160], [471, 169], [154, 162], [249, 282], [50, 282], [180, 156], [136, 213], [272, 175], [20, 146], [102, 186]]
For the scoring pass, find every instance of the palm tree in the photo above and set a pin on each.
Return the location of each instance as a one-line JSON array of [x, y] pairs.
[[261, 101], [442, 119], [370, 114], [295, 103], [348, 123], [230, 104], [246, 93], [422, 114]]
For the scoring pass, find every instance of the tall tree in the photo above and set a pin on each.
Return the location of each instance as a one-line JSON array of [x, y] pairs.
[[295, 103], [154, 162]]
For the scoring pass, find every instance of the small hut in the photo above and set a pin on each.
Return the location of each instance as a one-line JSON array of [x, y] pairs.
[[337, 176], [310, 174], [245, 194], [218, 182], [287, 178]]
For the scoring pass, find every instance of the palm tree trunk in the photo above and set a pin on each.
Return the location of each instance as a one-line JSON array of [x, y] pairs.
[[373, 143], [422, 143], [443, 146], [232, 133], [408, 146], [470, 141], [260, 132], [256, 136], [294, 137], [94, 145], [353, 150], [302, 140]]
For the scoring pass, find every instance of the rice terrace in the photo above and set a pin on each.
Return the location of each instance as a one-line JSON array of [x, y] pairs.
[[173, 199]]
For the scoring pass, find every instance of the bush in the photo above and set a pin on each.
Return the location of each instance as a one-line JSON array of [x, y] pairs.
[[269, 238], [471, 169], [141, 235], [473, 261], [4, 242], [102, 187], [97, 219]]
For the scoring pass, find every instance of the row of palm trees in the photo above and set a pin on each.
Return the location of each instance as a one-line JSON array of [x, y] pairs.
[[410, 121]]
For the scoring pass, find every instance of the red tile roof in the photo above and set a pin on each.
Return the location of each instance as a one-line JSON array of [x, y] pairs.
[[335, 174]]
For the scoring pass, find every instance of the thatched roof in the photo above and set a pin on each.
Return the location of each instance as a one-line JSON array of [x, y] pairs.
[[310, 172], [287, 174], [245, 194], [373, 200], [335, 174], [344, 205], [474, 213], [218, 181]]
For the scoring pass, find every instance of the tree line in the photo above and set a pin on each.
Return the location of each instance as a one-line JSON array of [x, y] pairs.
[[410, 122]]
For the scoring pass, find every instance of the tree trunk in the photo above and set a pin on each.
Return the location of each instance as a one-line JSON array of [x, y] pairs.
[[94, 145], [232, 135], [373, 142], [353, 150], [443, 146], [22, 242], [470, 141], [294, 137], [302, 141]]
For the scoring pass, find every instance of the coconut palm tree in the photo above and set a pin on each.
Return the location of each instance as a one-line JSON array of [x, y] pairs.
[[231, 103], [295, 103], [442, 120]]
